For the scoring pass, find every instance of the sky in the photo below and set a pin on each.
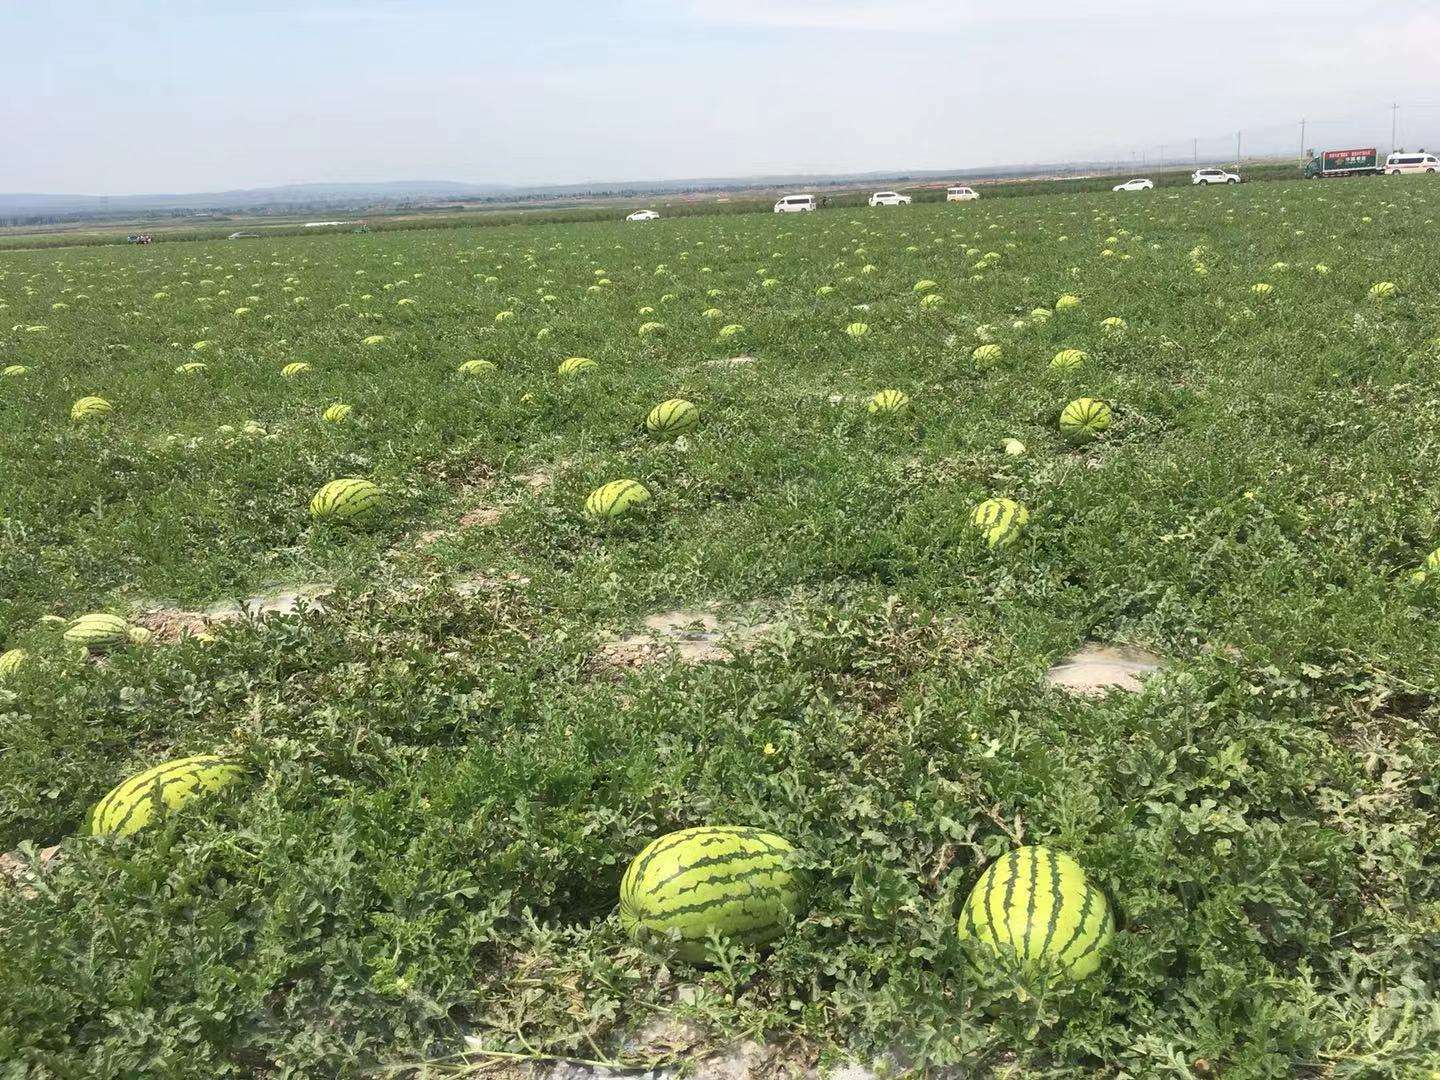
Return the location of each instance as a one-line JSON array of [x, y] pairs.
[[128, 96]]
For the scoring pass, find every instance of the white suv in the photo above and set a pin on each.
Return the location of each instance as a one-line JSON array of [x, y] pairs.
[[889, 198], [1213, 176], [1135, 185], [793, 204], [960, 194], [1419, 162]]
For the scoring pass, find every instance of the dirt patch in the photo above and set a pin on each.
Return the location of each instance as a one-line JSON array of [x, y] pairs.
[[475, 584], [482, 517], [1097, 669], [307, 597], [169, 625], [172, 624], [695, 636], [16, 869], [536, 479]]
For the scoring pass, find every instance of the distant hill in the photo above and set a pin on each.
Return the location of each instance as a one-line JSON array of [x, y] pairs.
[[24, 208], [287, 195]]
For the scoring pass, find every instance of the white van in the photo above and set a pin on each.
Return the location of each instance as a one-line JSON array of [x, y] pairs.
[[794, 204], [1402, 162], [960, 194]]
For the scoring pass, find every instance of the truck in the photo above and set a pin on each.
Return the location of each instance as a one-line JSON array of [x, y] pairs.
[[1344, 163]]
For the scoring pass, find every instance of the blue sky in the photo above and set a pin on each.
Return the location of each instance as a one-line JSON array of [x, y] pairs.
[[121, 97]]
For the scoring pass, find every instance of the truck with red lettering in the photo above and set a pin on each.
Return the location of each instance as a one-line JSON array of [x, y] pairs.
[[1344, 163]]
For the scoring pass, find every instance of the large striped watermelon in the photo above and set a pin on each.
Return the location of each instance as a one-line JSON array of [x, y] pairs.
[[1036, 909], [100, 631], [131, 805], [739, 882], [347, 499]]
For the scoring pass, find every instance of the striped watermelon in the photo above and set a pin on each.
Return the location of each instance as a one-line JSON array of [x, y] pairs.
[[574, 365], [672, 417], [131, 805], [987, 356], [615, 498], [1035, 908], [1084, 419], [1068, 359], [99, 631], [11, 661], [346, 499], [999, 521], [475, 367], [90, 408], [295, 370], [337, 413], [889, 403], [738, 882]]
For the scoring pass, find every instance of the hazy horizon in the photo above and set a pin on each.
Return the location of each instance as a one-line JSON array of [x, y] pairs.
[[139, 98]]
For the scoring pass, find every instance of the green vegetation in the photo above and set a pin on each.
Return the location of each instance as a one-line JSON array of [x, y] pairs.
[[448, 769]]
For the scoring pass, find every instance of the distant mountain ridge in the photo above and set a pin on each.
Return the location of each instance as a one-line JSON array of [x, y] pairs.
[[361, 195], [246, 198]]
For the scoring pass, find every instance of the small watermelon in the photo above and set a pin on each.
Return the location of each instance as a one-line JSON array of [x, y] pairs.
[[889, 403], [1000, 521], [90, 408], [615, 498], [574, 365], [672, 417], [11, 661]]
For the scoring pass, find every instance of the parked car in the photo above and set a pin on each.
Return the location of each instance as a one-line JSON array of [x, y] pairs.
[[243, 236], [1405, 162], [889, 198], [960, 194], [1214, 176], [795, 204], [642, 215], [1134, 185]]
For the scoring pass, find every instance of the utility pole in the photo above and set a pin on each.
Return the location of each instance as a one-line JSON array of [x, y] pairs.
[[1195, 151], [1394, 125], [1302, 140], [1237, 151]]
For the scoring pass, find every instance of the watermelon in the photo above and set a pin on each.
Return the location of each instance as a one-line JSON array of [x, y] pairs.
[[1036, 910], [350, 498], [99, 631], [131, 805], [738, 882]]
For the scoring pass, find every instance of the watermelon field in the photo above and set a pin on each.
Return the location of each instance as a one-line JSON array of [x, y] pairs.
[[902, 463]]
